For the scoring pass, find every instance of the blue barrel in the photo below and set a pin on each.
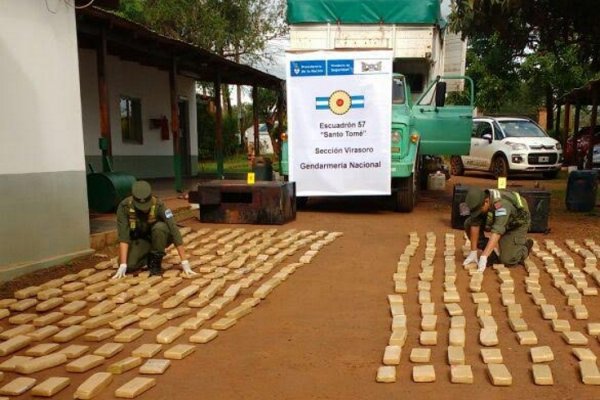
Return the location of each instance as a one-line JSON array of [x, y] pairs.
[[581, 191], [107, 189]]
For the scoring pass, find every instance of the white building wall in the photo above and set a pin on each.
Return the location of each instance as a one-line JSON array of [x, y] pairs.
[[43, 206], [153, 158]]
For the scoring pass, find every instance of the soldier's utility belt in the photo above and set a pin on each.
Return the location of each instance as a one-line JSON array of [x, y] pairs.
[[137, 233]]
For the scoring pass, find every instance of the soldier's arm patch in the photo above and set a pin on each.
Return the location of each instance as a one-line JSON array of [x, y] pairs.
[[500, 212], [168, 213]]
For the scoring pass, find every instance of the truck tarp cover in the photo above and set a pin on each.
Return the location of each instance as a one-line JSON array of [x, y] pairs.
[[365, 12]]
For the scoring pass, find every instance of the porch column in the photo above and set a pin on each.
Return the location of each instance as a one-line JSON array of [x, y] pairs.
[[255, 120], [219, 127], [576, 133], [280, 105], [175, 126], [103, 101]]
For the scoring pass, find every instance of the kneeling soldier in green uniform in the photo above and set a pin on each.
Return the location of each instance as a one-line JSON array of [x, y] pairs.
[[146, 228], [506, 215]]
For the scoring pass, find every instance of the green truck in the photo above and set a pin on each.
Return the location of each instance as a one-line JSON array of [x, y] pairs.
[[427, 120]]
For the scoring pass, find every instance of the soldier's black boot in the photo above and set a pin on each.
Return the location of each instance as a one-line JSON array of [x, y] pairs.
[[154, 264], [493, 259]]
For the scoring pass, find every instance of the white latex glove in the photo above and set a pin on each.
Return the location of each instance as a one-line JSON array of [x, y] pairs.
[[482, 263], [187, 270], [471, 258], [120, 272]]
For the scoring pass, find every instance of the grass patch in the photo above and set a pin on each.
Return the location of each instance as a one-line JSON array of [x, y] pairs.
[[238, 163]]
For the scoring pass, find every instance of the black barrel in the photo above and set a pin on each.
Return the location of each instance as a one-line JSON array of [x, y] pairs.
[[538, 201], [263, 169], [581, 191]]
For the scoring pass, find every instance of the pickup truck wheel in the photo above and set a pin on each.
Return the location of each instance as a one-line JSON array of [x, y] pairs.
[[406, 194], [499, 167], [456, 166]]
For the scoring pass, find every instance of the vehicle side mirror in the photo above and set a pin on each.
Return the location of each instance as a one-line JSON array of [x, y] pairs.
[[488, 137], [440, 94]]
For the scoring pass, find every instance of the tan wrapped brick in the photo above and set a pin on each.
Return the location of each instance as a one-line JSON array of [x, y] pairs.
[[488, 337], [126, 309], [517, 324], [74, 351], [456, 355], [386, 374], [19, 330], [72, 320], [100, 320], [153, 322], [125, 321], [73, 286], [224, 323], [30, 291], [584, 354], [51, 386], [42, 349], [23, 305], [391, 355], [92, 386], [147, 312], [420, 355], [79, 295], [99, 335], [124, 365], [548, 311], [398, 337], [542, 375], [177, 312], [47, 294], [22, 318], [541, 354], [48, 319], [146, 299], [10, 364], [491, 356], [73, 307], [85, 363], [461, 374], [574, 338], [499, 375], [203, 336], [527, 338], [457, 322], [101, 308], [155, 367], [17, 386], [128, 335], [192, 323], [14, 344], [147, 350], [207, 312], [41, 363], [169, 335], [109, 350], [179, 351], [590, 375], [69, 334], [135, 387], [423, 373], [428, 338]]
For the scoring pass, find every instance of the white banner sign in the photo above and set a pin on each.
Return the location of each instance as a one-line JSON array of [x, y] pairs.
[[339, 122]]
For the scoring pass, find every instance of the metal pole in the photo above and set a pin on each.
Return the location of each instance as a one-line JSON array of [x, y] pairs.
[[557, 122], [219, 128], [567, 123], [255, 120], [175, 126]]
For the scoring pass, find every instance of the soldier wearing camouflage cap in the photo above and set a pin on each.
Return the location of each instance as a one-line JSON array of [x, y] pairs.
[[506, 215], [146, 227]]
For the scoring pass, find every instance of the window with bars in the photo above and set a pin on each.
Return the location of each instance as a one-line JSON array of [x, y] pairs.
[[131, 120]]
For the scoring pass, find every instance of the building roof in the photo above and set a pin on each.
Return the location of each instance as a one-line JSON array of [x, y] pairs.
[[131, 41]]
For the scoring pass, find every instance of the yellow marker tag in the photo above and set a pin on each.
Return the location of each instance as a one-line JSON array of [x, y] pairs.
[[502, 182], [250, 178]]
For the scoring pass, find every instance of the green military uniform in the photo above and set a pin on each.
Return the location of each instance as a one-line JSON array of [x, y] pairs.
[[509, 217], [146, 232]]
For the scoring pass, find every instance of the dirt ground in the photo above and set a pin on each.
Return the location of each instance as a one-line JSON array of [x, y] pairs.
[[321, 334]]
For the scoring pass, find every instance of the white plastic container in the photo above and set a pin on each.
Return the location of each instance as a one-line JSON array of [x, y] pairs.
[[436, 181]]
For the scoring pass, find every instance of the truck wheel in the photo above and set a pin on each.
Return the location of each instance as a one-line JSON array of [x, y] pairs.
[[457, 167], [406, 194], [499, 166], [301, 203], [550, 174]]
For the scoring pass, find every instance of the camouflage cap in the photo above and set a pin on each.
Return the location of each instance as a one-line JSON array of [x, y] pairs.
[[474, 200], [142, 195]]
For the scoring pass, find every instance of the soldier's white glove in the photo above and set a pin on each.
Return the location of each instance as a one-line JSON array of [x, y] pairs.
[[471, 258], [187, 270], [482, 263], [120, 272]]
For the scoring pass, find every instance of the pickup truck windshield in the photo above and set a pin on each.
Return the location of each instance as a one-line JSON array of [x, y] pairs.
[[521, 129], [398, 91]]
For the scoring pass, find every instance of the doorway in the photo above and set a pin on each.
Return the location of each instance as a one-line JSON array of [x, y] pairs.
[[184, 131]]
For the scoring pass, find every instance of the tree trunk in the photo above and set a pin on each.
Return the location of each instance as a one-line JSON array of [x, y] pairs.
[[549, 108]]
